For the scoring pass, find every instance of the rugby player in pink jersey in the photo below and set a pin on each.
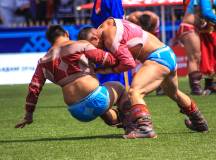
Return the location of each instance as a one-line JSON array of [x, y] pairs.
[[70, 65], [128, 42]]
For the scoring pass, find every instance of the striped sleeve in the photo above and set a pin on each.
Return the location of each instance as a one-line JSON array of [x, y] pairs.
[[34, 89]]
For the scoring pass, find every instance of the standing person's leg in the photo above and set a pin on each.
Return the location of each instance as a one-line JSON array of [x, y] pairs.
[[191, 43], [146, 80], [187, 106], [135, 119], [210, 85]]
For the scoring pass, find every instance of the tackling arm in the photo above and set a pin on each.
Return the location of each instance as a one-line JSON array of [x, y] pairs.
[[125, 58], [101, 57], [120, 51]]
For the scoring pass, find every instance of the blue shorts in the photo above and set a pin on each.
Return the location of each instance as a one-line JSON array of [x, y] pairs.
[[92, 106], [164, 56]]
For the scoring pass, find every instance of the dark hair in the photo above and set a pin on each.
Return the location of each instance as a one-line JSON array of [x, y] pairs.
[[53, 32], [146, 22], [83, 33]]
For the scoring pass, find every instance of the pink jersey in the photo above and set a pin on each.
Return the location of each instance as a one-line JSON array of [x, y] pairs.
[[127, 35], [63, 65]]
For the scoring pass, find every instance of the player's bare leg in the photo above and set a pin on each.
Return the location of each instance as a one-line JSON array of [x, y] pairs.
[[119, 98], [146, 80], [196, 120], [191, 43]]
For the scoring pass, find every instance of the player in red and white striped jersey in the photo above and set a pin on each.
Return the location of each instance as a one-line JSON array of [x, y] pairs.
[[70, 65]]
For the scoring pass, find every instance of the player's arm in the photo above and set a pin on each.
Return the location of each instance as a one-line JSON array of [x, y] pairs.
[[125, 62], [207, 11], [125, 58], [99, 56], [34, 90], [120, 51]]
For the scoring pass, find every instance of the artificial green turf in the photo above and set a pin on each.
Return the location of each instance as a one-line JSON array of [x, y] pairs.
[[55, 135]]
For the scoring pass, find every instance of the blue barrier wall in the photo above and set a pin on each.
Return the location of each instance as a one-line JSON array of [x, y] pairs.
[[30, 39]]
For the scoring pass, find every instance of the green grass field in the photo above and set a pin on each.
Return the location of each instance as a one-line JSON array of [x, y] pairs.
[[55, 135]]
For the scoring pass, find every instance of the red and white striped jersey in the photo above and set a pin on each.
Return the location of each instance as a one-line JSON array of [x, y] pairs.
[[64, 64], [127, 36]]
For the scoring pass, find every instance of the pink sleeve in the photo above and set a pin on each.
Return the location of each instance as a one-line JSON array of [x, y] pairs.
[[125, 58], [99, 56], [34, 89]]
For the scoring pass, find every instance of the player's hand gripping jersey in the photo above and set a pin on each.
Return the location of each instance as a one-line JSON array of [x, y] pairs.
[[62, 65]]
